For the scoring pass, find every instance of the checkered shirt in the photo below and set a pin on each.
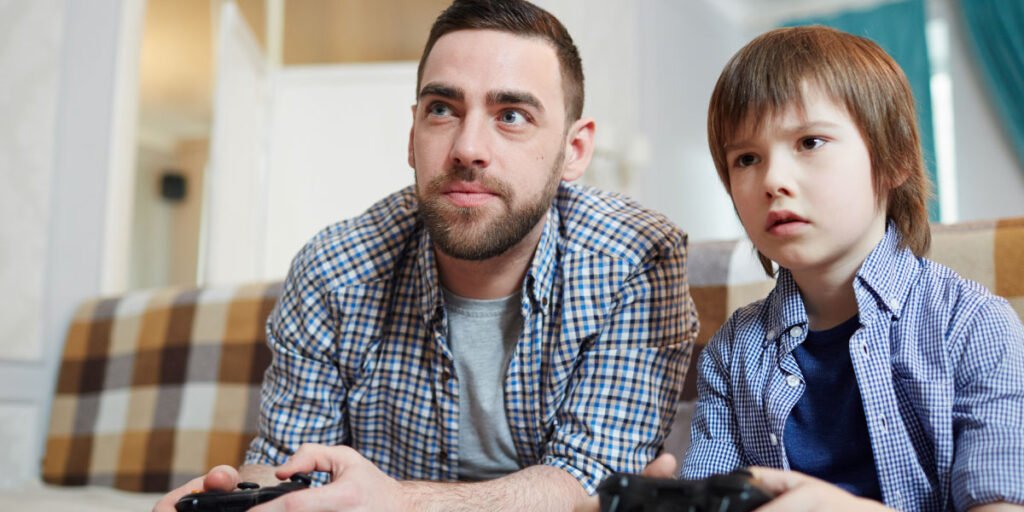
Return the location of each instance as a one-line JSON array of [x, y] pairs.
[[361, 355], [940, 365]]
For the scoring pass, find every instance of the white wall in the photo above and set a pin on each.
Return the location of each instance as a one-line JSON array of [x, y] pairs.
[[683, 47], [990, 180], [340, 137], [29, 72], [62, 117]]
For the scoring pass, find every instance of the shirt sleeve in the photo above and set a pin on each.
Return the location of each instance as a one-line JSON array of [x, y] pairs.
[[303, 394], [714, 434], [623, 396], [988, 410]]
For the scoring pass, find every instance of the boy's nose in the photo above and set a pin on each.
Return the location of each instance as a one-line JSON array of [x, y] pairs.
[[778, 178], [471, 145]]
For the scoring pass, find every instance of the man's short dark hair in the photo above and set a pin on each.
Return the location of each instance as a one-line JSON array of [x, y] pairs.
[[522, 19]]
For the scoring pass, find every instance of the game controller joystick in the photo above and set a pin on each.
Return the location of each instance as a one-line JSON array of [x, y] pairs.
[[731, 492], [247, 496]]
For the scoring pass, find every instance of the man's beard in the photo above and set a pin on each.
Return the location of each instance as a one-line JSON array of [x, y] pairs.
[[464, 233]]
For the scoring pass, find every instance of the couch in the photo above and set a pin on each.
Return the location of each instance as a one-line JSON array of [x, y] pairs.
[[157, 386]]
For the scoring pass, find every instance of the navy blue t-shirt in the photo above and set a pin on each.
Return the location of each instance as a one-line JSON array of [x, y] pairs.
[[826, 435]]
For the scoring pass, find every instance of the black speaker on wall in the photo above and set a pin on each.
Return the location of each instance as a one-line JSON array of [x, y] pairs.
[[173, 186]]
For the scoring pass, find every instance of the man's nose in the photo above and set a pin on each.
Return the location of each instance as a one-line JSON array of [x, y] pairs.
[[471, 147]]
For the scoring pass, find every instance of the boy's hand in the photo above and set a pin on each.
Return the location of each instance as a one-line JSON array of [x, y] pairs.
[[797, 492], [664, 466]]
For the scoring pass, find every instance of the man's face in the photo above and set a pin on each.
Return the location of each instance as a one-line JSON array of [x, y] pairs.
[[488, 140], [802, 187]]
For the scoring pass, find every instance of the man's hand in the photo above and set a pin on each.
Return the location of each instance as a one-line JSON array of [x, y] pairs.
[[797, 492], [356, 483], [220, 478]]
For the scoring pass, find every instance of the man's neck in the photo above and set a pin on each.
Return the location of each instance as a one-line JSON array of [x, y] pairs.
[[492, 278]]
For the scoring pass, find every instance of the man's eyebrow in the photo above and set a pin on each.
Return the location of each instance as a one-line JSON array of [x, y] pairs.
[[444, 91], [514, 98]]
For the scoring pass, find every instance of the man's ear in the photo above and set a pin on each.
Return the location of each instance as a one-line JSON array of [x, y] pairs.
[[579, 149], [412, 132]]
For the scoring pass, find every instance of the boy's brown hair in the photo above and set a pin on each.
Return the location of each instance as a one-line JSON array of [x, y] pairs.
[[767, 76], [521, 18]]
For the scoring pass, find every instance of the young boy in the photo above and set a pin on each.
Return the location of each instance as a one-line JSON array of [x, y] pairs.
[[875, 375]]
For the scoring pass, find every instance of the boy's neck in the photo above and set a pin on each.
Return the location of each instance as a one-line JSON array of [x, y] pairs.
[[827, 288], [828, 302]]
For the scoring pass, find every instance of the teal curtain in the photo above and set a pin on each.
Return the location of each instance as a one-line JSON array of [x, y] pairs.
[[899, 28], [996, 28]]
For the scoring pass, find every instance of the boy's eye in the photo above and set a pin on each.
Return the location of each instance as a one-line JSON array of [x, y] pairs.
[[746, 160], [439, 109], [513, 117], [808, 143]]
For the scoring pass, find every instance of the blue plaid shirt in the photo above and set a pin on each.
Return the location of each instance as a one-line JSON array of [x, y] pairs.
[[940, 365], [361, 355]]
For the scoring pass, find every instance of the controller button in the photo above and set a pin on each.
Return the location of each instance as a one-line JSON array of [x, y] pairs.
[[245, 486]]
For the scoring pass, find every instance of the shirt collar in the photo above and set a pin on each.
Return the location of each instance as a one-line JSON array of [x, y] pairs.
[[539, 281], [431, 296], [884, 280], [785, 308], [881, 285]]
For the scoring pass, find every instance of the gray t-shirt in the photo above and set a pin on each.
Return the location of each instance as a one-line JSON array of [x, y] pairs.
[[482, 335]]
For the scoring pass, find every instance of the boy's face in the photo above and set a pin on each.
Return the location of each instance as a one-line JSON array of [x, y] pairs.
[[489, 141], [802, 187]]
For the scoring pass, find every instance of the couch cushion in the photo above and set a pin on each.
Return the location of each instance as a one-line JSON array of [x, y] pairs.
[[155, 387]]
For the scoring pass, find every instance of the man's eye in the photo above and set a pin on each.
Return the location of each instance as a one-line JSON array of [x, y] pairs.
[[808, 143], [746, 160], [439, 109], [512, 117]]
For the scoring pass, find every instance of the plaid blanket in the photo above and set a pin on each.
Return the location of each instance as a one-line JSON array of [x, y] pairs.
[[156, 387]]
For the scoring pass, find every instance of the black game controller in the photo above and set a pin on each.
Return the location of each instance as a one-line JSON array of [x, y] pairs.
[[731, 492], [247, 496]]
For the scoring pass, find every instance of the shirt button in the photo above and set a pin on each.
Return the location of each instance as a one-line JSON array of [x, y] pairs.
[[443, 456], [446, 375], [772, 438], [796, 331], [793, 381], [894, 304], [770, 335]]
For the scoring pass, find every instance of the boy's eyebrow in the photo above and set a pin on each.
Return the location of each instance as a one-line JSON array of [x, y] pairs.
[[809, 126]]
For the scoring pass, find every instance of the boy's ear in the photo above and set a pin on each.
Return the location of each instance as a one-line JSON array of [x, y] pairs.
[[579, 149]]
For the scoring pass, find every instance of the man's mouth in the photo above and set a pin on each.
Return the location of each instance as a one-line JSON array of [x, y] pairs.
[[467, 194]]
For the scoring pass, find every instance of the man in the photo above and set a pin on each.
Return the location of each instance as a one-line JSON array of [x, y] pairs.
[[492, 336]]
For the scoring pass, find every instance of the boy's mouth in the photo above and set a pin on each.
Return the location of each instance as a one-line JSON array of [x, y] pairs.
[[779, 218]]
